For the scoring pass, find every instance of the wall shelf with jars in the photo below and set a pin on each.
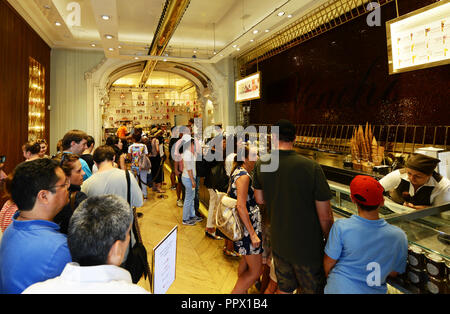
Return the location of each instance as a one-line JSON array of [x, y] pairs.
[[148, 108]]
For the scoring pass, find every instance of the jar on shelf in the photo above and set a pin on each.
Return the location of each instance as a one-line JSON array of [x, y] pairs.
[[435, 266], [437, 286], [416, 257]]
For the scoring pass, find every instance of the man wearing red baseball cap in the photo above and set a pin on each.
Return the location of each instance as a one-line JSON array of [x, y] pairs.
[[363, 250]]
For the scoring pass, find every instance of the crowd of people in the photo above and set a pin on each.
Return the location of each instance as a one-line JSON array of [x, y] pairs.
[[69, 217]]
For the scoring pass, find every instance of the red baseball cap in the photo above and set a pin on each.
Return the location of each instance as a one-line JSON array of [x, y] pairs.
[[366, 190]]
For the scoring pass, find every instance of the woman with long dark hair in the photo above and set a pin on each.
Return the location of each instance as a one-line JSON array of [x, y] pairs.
[[71, 166], [250, 246]]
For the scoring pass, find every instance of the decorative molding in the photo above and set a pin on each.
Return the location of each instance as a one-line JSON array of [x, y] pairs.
[[88, 74]]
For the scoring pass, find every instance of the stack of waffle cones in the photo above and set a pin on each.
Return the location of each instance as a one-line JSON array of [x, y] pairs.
[[365, 150]]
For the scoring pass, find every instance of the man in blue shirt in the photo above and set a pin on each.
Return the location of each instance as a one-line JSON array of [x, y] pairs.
[[32, 248], [75, 142], [363, 250]]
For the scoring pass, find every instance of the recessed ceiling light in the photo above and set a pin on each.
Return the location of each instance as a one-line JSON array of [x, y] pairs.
[[120, 47], [109, 36], [106, 17], [111, 49], [280, 13], [255, 31], [238, 48], [289, 16], [214, 52], [164, 60], [252, 40], [92, 45], [267, 30], [58, 24], [195, 51], [136, 58], [234, 46]]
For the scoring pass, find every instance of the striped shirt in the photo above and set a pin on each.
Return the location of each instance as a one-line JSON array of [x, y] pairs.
[[6, 214]]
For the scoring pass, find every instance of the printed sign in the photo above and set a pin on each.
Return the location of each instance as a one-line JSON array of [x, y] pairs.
[[248, 88]]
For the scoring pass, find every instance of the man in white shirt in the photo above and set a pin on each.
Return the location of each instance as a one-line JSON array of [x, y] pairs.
[[98, 238], [111, 180]]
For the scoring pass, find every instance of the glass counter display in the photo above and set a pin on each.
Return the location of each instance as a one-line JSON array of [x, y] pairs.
[[428, 233]]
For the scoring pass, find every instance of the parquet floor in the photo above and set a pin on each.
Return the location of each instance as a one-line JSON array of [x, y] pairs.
[[201, 267]]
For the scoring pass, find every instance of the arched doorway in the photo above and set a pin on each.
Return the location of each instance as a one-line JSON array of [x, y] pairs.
[[211, 93]]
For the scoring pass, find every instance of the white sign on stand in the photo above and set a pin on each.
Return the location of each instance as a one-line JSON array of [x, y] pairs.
[[164, 262]]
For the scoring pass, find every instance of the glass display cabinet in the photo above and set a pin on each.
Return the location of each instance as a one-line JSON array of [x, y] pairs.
[[428, 233]]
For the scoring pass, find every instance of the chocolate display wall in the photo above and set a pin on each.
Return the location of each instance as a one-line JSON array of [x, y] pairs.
[[342, 77]]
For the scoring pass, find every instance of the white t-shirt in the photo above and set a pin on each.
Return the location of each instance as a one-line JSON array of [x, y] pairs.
[[188, 163], [76, 279], [113, 181]]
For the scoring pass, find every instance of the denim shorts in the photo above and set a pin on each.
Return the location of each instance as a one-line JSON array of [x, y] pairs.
[[306, 279]]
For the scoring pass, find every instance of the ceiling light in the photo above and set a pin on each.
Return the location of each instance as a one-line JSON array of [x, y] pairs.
[[111, 49], [252, 40], [280, 13], [136, 58], [238, 48], [164, 60], [120, 47], [109, 36], [289, 16], [255, 31], [58, 24], [267, 30], [215, 52], [106, 17], [195, 51], [92, 45], [234, 46]]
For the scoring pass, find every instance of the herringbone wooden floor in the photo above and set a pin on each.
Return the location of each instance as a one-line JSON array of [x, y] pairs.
[[201, 267]]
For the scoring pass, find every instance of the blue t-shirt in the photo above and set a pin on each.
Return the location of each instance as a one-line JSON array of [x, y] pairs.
[[367, 251], [31, 251]]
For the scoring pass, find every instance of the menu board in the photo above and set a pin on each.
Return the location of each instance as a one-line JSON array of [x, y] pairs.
[[164, 263], [248, 88], [420, 39]]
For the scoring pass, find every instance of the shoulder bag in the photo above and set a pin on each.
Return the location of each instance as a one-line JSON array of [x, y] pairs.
[[226, 217], [136, 262]]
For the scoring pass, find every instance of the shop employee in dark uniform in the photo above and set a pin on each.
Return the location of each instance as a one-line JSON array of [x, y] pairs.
[[417, 185]]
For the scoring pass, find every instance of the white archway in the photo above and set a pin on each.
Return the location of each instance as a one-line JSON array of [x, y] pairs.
[[219, 87]]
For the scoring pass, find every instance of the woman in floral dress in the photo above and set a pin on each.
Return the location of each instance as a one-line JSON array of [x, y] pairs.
[[249, 246]]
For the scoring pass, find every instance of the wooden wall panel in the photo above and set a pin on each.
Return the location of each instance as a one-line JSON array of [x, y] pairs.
[[342, 77], [18, 42]]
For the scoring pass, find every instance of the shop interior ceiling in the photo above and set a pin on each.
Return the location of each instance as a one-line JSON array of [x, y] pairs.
[[206, 31]]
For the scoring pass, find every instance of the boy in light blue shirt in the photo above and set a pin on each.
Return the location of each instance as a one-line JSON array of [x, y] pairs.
[[363, 250]]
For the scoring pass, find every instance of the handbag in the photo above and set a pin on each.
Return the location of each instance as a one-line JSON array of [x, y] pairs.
[[136, 262], [227, 218], [144, 162]]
